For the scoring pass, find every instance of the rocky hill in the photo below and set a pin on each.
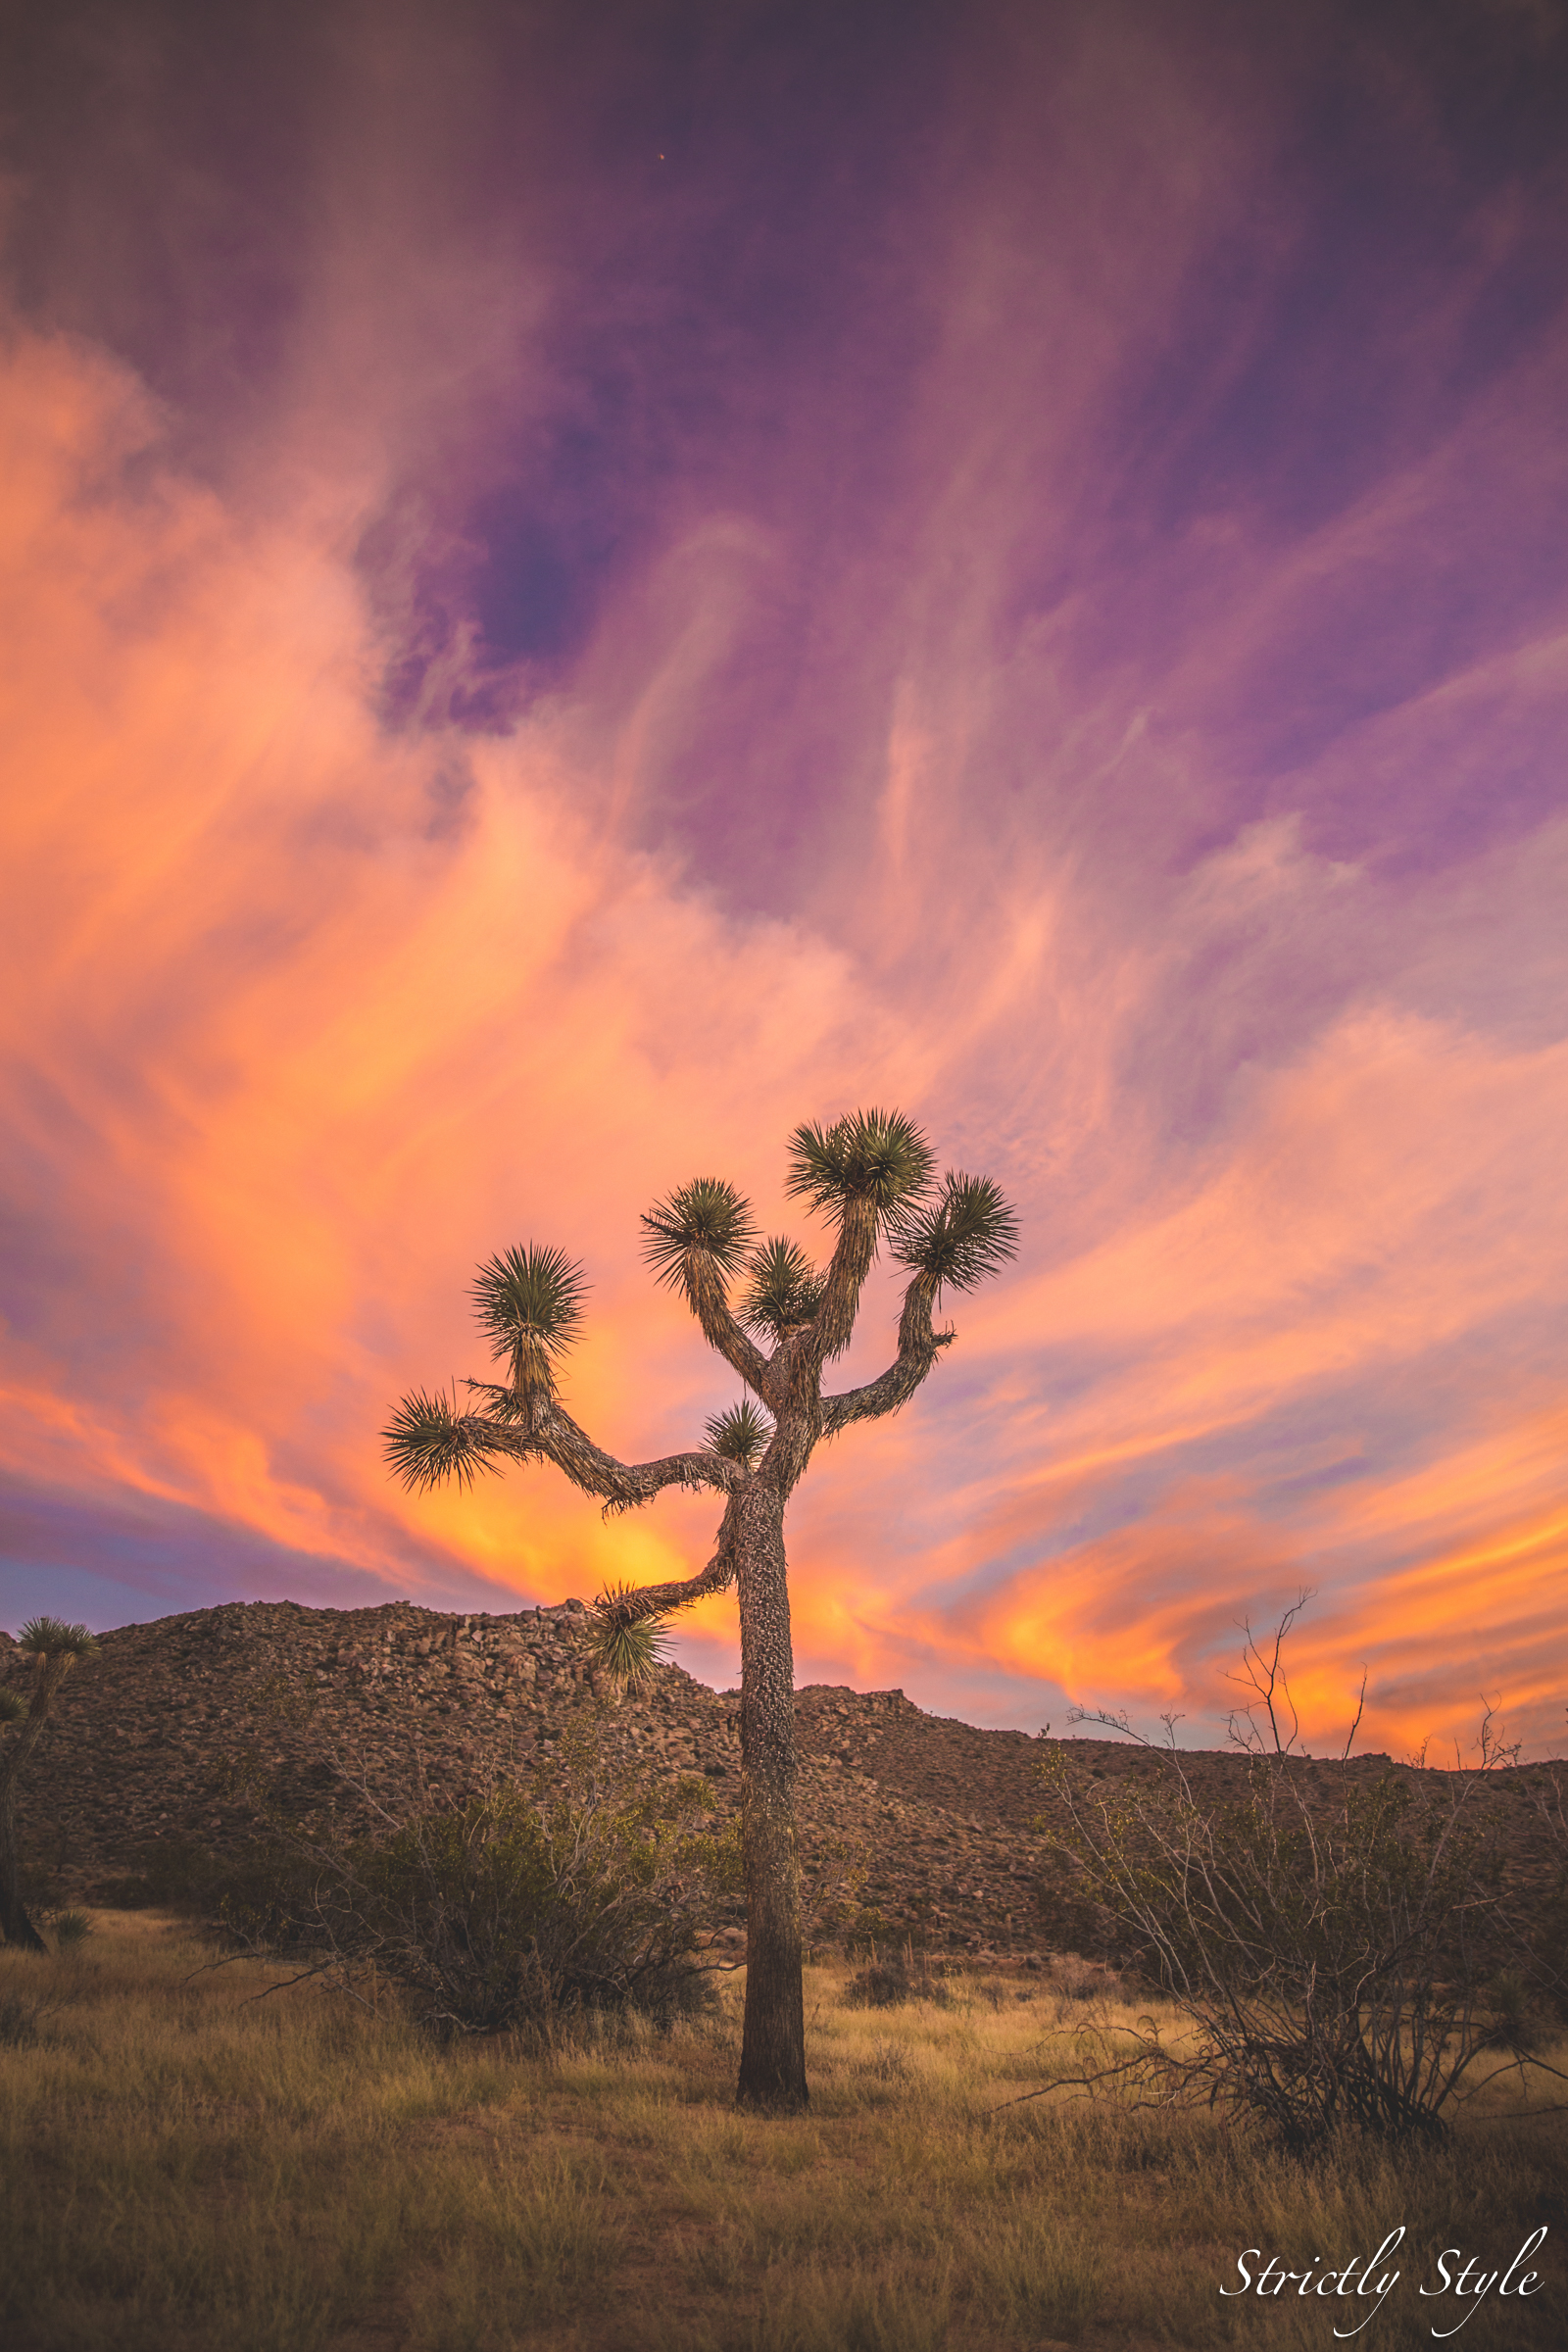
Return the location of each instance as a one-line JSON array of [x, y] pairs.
[[139, 1764]]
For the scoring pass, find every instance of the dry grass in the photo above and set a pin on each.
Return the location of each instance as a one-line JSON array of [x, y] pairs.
[[186, 2167]]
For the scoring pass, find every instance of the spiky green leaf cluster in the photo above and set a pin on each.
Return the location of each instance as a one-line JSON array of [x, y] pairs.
[[528, 1304], [740, 1435], [627, 1649], [783, 1292], [874, 1155], [705, 1219], [52, 1638], [955, 1241], [12, 1707], [427, 1442]]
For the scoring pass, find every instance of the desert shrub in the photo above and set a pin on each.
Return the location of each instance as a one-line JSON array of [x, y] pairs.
[[1336, 1964], [879, 1986], [888, 1984], [516, 1907], [166, 1874]]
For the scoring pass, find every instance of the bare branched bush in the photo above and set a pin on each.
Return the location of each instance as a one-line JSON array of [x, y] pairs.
[[1338, 1948], [520, 1907]]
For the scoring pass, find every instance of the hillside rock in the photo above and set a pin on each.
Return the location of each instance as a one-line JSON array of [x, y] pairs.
[[162, 1740]]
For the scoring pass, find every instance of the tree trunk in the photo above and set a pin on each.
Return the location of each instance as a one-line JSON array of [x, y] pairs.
[[774, 2042], [13, 1920], [14, 1924]]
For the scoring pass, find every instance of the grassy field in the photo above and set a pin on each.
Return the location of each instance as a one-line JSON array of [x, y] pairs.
[[186, 2168]]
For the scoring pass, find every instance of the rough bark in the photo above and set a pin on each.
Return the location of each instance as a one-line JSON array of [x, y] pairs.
[[750, 1552], [831, 1330], [705, 1293], [534, 1426], [772, 2073], [773, 2037]]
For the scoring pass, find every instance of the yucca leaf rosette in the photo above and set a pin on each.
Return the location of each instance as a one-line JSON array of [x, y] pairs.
[[740, 1435], [704, 1225], [783, 1289], [626, 1648], [428, 1443], [529, 1303], [50, 1637], [876, 1156], [959, 1238]]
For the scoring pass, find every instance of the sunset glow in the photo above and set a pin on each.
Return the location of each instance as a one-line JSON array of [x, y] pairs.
[[570, 603]]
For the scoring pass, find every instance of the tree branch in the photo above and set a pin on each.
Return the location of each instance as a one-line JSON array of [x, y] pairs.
[[855, 1247], [429, 1443], [706, 1296], [1266, 1676], [658, 1600], [622, 1485], [918, 1348]]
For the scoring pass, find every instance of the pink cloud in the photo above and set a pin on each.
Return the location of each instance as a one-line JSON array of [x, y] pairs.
[[1063, 685]]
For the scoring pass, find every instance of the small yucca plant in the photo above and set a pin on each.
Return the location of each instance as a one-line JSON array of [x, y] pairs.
[[784, 1292], [626, 1648], [740, 1435]]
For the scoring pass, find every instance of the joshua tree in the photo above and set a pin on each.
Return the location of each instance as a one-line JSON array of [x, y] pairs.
[[53, 1648], [872, 1177]]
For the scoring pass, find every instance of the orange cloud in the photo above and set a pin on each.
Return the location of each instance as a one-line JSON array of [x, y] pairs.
[[291, 1054], [304, 1016]]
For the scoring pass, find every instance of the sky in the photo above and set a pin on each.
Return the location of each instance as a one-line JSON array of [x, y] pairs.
[[582, 586]]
